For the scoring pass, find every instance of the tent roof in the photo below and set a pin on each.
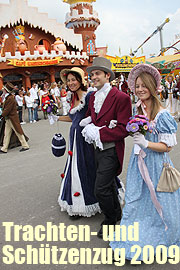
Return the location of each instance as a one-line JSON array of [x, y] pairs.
[[163, 59]]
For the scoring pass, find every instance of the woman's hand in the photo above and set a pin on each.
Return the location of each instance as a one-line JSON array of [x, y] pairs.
[[139, 139], [84, 122]]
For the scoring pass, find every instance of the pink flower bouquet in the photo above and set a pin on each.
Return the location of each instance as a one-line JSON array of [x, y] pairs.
[[138, 123]]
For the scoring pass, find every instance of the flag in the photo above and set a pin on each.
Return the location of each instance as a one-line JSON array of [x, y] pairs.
[[130, 51], [142, 50], [106, 48], [119, 50]]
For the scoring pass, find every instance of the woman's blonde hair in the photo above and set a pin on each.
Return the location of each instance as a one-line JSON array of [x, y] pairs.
[[150, 84], [53, 84]]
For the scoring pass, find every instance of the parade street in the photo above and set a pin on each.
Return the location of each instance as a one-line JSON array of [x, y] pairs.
[[29, 189]]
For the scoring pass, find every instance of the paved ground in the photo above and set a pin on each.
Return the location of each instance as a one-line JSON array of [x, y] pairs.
[[29, 188]]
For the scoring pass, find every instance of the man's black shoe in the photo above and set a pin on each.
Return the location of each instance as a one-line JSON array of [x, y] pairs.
[[100, 233], [2, 152], [23, 149], [75, 217]]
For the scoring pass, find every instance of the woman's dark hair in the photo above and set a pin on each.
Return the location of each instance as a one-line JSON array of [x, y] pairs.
[[79, 79]]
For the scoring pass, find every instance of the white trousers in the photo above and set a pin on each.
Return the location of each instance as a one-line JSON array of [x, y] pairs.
[[7, 135]]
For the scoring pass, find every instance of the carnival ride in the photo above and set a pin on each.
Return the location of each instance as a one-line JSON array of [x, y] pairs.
[[158, 29], [172, 47]]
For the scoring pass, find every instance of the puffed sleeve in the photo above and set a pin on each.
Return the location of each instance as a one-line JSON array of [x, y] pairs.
[[166, 128]]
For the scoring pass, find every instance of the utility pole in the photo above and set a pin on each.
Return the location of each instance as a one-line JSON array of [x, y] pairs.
[[160, 28]]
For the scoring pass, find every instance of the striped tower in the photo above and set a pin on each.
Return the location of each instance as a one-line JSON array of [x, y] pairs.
[[84, 20]]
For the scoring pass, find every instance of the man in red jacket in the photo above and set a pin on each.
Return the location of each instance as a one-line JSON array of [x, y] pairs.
[[109, 111]]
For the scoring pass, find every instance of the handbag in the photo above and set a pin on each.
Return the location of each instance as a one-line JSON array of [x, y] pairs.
[[35, 105], [58, 145], [169, 180]]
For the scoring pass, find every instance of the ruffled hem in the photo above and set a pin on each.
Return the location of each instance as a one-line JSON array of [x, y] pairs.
[[130, 255], [168, 139], [81, 210]]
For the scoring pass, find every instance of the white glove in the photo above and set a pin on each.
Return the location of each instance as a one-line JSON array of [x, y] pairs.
[[52, 118], [84, 122], [92, 135], [112, 124], [90, 132], [139, 139]]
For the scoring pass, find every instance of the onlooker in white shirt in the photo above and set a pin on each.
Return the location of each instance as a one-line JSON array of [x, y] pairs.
[[29, 104], [19, 100], [55, 92], [34, 94], [63, 99]]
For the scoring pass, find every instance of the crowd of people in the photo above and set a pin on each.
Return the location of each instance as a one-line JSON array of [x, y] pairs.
[[34, 98], [15, 101], [99, 114]]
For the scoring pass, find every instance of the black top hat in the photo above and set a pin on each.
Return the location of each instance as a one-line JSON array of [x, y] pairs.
[[101, 63], [9, 87], [58, 145]]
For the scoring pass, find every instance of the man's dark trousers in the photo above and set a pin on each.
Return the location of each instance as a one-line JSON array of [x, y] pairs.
[[107, 164]]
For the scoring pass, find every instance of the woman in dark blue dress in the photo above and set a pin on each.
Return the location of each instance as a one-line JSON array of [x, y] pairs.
[[77, 188]]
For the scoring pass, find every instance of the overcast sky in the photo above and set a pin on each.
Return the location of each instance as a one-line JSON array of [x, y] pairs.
[[125, 23]]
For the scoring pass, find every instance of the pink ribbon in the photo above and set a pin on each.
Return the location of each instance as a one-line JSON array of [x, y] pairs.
[[145, 175], [143, 106]]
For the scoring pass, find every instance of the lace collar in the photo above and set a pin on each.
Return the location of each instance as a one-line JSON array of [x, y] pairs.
[[154, 122], [77, 108]]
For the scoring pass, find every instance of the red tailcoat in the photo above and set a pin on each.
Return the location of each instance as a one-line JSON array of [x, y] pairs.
[[117, 106]]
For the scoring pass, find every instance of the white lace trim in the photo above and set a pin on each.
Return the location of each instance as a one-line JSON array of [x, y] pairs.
[[121, 194], [81, 210], [168, 139], [98, 141], [77, 108], [100, 96]]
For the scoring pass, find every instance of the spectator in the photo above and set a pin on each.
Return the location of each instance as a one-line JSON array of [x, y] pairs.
[[19, 100], [34, 95], [11, 120], [29, 104]]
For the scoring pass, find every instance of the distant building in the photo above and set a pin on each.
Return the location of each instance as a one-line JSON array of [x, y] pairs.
[[34, 47], [125, 63]]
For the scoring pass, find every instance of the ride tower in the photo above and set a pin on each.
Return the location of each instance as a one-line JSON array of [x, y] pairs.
[[84, 20]]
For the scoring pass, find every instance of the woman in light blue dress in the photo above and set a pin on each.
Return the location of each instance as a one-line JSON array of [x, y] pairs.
[[158, 218]]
